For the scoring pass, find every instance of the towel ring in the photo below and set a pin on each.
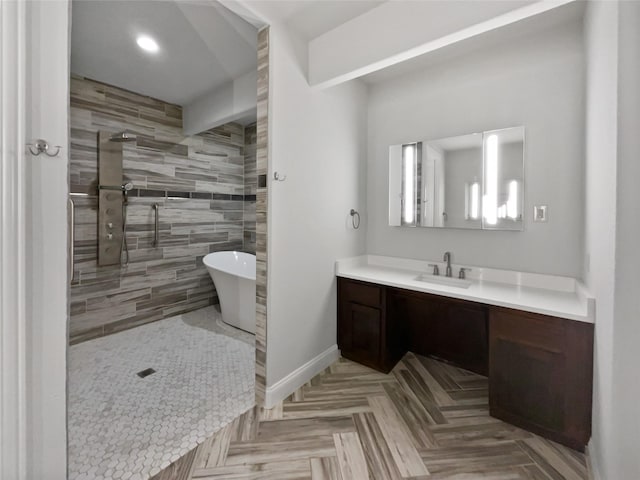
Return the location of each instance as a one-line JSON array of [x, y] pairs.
[[354, 222]]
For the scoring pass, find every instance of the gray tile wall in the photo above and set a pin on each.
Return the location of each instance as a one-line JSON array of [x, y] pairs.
[[205, 204], [250, 187], [262, 167]]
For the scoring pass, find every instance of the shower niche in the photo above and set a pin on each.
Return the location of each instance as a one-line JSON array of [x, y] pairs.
[[112, 197]]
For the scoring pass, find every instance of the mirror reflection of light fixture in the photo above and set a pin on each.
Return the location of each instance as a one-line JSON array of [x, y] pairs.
[[509, 209], [409, 182], [502, 211], [512, 202], [490, 200], [472, 201]]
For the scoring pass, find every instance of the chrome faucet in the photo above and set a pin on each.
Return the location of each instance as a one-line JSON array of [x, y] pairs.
[[447, 258]]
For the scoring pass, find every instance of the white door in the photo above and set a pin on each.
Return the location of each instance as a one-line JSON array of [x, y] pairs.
[[34, 79]]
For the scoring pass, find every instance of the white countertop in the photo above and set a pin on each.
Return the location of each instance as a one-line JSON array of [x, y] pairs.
[[545, 294]]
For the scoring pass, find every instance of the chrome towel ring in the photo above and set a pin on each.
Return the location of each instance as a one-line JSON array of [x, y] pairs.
[[355, 218]]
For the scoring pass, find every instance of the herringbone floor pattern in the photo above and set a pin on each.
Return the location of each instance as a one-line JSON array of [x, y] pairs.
[[425, 420]]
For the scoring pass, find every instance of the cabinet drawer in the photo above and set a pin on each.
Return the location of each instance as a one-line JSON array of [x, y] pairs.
[[537, 331], [362, 293]]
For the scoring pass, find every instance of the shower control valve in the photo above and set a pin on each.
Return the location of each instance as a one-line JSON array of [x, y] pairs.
[[109, 236], [110, 225]]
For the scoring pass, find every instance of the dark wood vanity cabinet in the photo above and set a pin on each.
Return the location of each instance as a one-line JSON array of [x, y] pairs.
[[364, 334], [540, 367], [541, 371], [445, 328], [377, 325]]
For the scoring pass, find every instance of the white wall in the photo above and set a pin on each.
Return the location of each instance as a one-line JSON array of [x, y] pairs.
[[13, 282], [612, 228], [626, 394], [318, 140], [537, 82], [601, 26], [46, 245]]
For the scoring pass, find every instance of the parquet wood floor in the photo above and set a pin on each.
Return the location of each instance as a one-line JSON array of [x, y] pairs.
[[424, 420]]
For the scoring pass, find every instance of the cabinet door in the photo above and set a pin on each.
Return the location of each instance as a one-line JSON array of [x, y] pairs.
[[360, 333], [462, 337], [540, 374], [417, 314], [527, 382]]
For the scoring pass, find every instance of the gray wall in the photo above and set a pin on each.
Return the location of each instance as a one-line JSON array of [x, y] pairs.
[[199, 183], [537, 82]]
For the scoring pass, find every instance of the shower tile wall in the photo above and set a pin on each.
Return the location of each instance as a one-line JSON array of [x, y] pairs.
[[250, 188], [205, 205]]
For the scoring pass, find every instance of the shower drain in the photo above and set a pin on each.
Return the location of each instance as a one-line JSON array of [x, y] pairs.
[[146, 372]]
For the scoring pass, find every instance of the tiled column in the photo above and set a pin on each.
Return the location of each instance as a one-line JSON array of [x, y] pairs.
[[261, 213]]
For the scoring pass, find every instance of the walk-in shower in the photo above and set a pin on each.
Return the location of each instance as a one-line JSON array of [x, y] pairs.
[[112, 198]]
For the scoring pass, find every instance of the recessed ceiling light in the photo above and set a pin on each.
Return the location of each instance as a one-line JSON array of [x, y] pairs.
[[148, 44]]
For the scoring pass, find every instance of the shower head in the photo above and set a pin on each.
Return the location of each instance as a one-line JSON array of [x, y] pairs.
[[122, 137]]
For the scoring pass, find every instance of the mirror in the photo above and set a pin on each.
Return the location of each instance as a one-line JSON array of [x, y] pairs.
[[471, 181]]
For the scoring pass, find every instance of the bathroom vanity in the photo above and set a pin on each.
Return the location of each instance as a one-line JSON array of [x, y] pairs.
[[535, 344]]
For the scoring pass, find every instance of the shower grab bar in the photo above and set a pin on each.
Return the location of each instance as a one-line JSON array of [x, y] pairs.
[[72, 239], [82, 195], [156, 238], [118, 188]]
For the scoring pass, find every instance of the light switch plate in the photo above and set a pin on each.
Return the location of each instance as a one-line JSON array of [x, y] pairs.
[[540, 213]]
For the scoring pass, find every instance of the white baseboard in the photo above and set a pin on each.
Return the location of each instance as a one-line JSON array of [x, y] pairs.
[[301, 375]]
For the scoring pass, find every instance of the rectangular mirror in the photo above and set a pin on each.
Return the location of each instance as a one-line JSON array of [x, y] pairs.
[[471, 181]]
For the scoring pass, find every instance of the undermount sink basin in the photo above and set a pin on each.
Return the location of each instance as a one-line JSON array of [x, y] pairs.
[[440, 280]]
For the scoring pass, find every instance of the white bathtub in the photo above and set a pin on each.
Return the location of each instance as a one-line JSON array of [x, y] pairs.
[[234, 276]]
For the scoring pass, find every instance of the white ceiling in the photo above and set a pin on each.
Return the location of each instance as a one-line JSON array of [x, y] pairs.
[[202, 46], [311, 18], [314, 18], [568, 15]]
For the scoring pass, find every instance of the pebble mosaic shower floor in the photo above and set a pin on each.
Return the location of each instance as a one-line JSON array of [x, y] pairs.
[[122, 426]]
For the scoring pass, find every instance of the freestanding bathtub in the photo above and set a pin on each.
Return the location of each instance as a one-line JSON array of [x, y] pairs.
[[234, 276]]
